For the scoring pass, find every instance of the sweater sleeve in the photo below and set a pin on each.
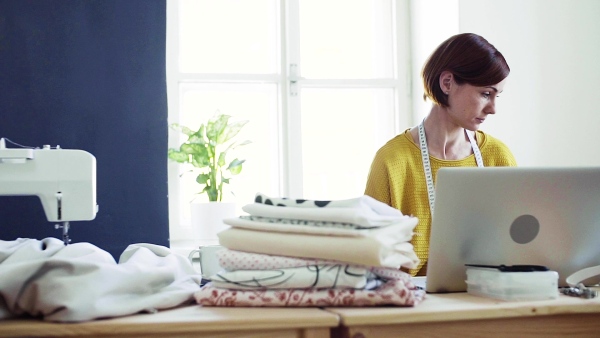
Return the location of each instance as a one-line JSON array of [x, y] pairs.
[[378, 181]]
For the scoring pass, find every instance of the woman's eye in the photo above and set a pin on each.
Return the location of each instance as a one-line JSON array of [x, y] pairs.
[[486, 95]]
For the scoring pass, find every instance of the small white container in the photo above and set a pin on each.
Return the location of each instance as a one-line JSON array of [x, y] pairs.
[[504, 285]]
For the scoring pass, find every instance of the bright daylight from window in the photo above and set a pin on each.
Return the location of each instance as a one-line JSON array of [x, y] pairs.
[[313, 137]]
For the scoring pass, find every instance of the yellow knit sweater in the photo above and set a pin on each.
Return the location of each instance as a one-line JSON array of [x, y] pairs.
[[397, 178]]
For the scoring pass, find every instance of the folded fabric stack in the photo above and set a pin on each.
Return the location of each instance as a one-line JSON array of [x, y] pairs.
[[315, 253]]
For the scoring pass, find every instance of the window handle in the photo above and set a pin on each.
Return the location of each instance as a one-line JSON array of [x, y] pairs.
[[294, 78]]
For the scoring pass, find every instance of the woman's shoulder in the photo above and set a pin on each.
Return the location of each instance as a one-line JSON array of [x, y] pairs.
[[398, 146], [495, 149], [400, 141], [486, 140]]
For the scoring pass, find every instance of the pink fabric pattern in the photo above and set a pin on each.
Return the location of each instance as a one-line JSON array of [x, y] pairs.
[[240, 260], [394, 292], [232, 260]]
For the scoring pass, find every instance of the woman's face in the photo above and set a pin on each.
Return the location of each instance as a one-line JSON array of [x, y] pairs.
[[469, 105]]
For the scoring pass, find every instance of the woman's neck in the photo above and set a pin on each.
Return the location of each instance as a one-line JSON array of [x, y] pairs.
[[445, 139]]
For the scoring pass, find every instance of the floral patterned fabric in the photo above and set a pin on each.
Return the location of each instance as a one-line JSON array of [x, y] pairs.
[[400, 292]]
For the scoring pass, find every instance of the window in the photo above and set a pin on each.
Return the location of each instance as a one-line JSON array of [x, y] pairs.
[[324, 84]]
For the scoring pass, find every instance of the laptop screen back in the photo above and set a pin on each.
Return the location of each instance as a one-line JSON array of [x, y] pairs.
[[513, 215]]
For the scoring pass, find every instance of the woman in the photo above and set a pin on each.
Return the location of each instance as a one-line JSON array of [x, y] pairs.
[[462, 78]]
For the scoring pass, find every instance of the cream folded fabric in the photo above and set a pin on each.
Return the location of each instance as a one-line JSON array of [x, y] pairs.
[[403, 227], [383, 247]]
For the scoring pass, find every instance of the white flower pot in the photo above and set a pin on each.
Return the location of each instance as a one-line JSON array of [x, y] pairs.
[[207, 218]]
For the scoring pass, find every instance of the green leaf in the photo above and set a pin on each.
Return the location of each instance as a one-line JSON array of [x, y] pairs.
[[235, 167], [231, 130], [200, 160], [193, 148], [221, 161], [202, 179], [178, 156], [215, 127]]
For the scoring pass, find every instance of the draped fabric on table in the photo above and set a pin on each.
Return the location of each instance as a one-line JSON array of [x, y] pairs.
[[80, 282], [315, 253]]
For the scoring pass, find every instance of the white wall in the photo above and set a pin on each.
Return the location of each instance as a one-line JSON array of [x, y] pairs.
[[548, 114], [432, 22]]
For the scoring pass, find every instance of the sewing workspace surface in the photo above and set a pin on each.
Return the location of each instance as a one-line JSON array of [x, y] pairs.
[[439, 315], [464, 315], [188, 321]]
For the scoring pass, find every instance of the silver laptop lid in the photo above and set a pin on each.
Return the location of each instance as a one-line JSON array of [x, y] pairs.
[[513, 215]]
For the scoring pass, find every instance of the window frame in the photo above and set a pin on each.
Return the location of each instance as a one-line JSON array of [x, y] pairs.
[[289, 105]]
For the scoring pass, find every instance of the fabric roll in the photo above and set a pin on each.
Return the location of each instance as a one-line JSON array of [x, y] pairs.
[[382, 248]]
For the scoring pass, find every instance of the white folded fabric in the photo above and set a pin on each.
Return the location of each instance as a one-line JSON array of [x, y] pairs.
[[404, 227], [363, 202], [383, 247], [363, 216], [80, 281], [232, 260], [336, 276]]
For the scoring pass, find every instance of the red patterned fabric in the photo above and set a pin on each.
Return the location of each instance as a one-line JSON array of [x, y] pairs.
[[394, 292]]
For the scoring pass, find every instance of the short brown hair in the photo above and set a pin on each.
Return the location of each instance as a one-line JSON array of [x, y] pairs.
[[470, 58]]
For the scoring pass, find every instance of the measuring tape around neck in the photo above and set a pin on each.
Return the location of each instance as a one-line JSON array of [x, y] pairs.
[[427, 163]]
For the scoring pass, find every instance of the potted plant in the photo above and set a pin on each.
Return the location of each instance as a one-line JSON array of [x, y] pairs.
[[205, 151]]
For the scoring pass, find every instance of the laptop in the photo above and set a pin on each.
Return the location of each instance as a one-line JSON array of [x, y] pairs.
[[513, 216]]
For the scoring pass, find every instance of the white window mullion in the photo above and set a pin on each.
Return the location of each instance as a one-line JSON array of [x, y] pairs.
[[403, 68], [283, 98], [293, 176]]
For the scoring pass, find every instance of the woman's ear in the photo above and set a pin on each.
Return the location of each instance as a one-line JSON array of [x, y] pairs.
[[446, 80]]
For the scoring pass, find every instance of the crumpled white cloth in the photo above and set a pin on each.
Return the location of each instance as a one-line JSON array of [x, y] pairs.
[[79, 282], [364, 211]]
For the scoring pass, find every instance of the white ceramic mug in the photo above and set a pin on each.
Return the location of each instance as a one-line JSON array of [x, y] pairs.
[[207, 257]]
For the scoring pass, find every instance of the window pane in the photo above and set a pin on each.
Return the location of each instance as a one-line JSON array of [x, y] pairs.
[[343, 39], [341, 131], [252, 102], [228, 36]]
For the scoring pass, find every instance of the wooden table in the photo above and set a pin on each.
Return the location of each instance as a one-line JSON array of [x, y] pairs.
[[440, 315], [464, 315], [189, 321]]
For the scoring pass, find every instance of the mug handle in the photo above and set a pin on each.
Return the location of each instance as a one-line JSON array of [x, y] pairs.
[[191, 258]]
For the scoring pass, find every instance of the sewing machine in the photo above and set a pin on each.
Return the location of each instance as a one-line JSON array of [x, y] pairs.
[[63, 179]]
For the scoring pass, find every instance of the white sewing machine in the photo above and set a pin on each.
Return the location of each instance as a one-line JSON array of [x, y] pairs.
[[63, 179]]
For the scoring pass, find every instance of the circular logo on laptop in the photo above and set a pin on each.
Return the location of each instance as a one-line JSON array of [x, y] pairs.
[[524, 229]]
